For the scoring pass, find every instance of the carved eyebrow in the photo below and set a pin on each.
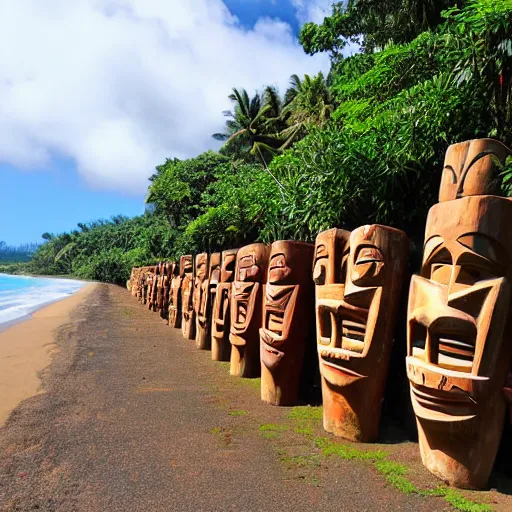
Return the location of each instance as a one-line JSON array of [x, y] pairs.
[[479, 156], [320, 248], [431, 246], [482, 246], [277, 255], [450, 168]]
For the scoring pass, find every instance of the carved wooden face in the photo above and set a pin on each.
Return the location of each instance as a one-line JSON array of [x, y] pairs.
[[227, 273], [215, 267], [201, 267], [208, 287], [250, 274], [471, 168], [185, 265], [356, 277], [289, 274], [458, 307], [187, 284], [221, 304]]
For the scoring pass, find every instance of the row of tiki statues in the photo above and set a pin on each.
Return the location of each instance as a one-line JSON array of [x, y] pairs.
[[255, 307]]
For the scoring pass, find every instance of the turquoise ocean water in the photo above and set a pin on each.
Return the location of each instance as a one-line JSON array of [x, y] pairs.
[[20, 296]]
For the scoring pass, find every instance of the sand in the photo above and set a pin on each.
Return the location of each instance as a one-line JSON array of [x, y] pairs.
[[28, 347]]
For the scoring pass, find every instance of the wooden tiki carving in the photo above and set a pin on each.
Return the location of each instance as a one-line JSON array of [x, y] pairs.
[[188, 324], [358, 279], [200, 297], [203, 317], [221, 314], [148, 285], [175, 312], [153, 288], [459, 328], [166, 290], [160, 296], [287, 304], [247, 292]]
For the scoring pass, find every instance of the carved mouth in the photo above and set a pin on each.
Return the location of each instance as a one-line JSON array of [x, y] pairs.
[[452, 351], [333, 358], [442, 405], [352, 335], [348, 335], [241, 311], [270, 356]]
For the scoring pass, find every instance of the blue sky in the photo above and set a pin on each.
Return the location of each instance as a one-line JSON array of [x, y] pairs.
[[139, 84]]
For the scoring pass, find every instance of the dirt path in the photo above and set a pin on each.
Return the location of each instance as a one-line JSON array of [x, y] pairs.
[[135, 418]]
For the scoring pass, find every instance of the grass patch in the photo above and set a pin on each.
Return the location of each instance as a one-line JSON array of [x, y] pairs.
[[459, 502], [302, 461], [238, 412], [306, 413], [394, 474], [273, 427], [224, 364], [272, 430], [270, 435], [304, 429], [252, 383], [217, 430], [328, 447]]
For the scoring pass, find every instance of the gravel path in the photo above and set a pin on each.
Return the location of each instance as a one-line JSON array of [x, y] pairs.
[[134, 418]]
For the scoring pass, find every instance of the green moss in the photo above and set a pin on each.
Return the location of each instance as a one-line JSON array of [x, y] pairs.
[[394, 474], [271, 435], [302, 461], [238, 412], [459, 502], [304, 429], [253, 383], [328, 447], [217, 430], [273, 427], [306, 413]]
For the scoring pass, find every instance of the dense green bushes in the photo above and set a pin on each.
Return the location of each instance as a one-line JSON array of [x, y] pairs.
[[373, 154]]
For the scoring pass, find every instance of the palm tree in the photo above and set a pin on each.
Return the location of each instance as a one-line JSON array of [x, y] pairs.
[[307, 102], [251, 127]]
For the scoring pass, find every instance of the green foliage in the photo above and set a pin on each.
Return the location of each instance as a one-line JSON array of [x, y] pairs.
[[16, 254], [379, 158], [373, 24], [105, 250], [177, 186]]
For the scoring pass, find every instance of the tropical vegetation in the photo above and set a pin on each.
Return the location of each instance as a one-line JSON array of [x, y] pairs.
[[364, 144]]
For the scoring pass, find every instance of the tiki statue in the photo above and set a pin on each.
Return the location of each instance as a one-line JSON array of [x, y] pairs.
[[459, 325], [178, 272], [221, 347], [246, 309], [358, 279], [201, 275], [188, 325], [285, 330]]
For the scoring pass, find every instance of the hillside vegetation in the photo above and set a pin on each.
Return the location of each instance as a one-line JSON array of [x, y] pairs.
[[364, 144]]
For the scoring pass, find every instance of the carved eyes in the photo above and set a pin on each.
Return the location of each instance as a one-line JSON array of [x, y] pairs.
[[319, 270], [368, 265], [466, 274], [369, 255]]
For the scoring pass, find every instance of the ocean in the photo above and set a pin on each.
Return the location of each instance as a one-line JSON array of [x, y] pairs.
[[20, 295]]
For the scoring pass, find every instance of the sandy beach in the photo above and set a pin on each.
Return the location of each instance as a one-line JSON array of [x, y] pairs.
[[28, 347]]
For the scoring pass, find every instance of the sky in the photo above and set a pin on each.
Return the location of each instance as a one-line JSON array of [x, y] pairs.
[[95, 93]]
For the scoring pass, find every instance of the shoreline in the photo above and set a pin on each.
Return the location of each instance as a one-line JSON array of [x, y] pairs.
[[27, 346], [10, 323]]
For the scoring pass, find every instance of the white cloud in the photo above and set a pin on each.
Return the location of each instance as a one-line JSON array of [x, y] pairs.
[[312, 10], [119, 85]]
